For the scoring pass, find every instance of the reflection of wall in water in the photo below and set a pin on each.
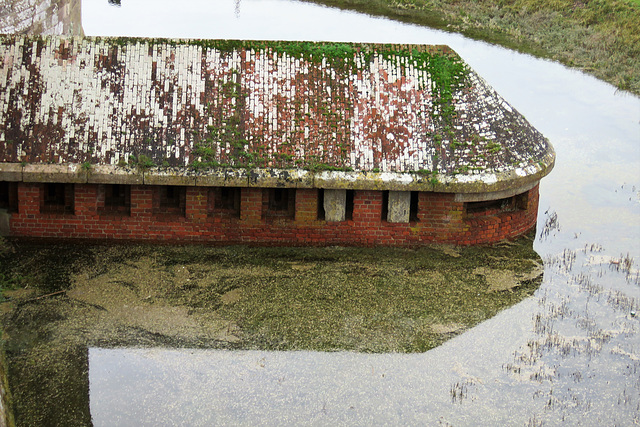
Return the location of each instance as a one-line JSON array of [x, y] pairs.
[[60, 17]]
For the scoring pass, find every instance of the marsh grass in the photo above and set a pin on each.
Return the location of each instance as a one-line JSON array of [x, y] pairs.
[[600, 37], [576, 333]]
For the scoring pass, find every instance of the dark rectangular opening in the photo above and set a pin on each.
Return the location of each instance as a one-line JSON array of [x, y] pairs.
[[56, 198], [116, 197], [230, 198], [413, 207], [522, 201], [224, 201], [321, 214], [348, 206], [281, 202], [278, 199], [494, 207], [9, 196], [385, 205], [169, 200]]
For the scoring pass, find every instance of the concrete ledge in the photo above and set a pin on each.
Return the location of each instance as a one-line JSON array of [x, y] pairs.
[[169, 177], [474, 187], [108, 174], [66, 173], [495, 195], [288, 178], [222, 178], [496, 182], [10, 172], [338, 180]]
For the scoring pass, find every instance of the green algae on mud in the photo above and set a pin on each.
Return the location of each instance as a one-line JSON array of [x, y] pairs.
[[286, 298], [279, 298]]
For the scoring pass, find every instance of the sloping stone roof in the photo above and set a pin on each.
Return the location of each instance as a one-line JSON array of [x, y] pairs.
[[329, 114]]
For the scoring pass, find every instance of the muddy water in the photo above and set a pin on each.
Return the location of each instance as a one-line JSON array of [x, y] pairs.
[[571, 353]]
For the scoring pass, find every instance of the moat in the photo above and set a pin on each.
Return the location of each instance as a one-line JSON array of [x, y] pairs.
[[570, 353]]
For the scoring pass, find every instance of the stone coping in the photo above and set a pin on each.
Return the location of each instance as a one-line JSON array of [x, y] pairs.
[[475, 185]]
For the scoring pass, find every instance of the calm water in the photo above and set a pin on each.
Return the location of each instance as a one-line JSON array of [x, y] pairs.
[[571, 353]]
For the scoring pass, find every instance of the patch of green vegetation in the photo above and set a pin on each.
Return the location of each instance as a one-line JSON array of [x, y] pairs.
[[9, 282], [494, 147], [47, 268], [142, 161], [599, 36], [433, 174], [6, 283], [46, 371], [317, 51], [363, 299]]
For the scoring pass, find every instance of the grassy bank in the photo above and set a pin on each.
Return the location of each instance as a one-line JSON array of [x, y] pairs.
[[601, 37]]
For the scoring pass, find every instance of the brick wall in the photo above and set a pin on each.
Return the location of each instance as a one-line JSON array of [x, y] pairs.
[[441, 219]]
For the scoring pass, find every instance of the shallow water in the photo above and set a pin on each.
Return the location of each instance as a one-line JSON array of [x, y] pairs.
[[571, 353]]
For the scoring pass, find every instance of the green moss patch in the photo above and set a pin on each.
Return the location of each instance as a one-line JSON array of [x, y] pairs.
[[598, 36]]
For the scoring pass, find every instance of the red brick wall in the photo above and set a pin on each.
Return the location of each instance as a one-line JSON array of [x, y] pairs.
[[506, 225], [440, 220]]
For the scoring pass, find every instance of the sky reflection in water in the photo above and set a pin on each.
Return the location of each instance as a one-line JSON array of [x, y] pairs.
[[586, 363]]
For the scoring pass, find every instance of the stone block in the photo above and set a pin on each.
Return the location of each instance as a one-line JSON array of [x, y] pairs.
[[109, 174], [335, 202], [10, 172], [222, 178], [63, 173], [399, 206]]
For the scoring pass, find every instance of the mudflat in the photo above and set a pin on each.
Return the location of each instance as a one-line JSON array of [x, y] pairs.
[[61, 298]]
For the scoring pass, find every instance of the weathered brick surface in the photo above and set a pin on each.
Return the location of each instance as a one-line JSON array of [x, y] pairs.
[[441, 220], [250, 104], [59, 17]]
